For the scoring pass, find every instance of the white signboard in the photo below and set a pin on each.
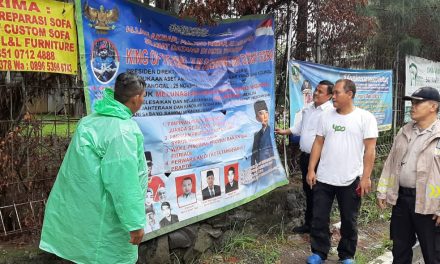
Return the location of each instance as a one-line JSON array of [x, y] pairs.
[[420, 72]]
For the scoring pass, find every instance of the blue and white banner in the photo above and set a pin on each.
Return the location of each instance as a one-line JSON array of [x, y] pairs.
[[373, 89], [208, 117]]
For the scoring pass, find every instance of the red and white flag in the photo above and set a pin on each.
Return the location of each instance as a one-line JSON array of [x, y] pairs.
[[265, 28]]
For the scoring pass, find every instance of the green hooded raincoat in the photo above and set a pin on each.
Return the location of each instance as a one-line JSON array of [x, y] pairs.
[[98, 196]]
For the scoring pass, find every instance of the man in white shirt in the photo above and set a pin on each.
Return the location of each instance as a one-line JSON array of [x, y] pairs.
[[345, 148], [306, 128], [188, 196]]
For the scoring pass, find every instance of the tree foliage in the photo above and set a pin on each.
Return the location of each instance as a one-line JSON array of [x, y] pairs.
[[410, 27], [207, 12], [345, 30]]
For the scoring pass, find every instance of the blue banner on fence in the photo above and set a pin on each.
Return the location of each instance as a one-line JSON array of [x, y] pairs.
[[373, 89], [208, 117]]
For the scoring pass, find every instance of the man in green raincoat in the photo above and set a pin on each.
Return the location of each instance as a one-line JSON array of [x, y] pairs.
[[95, 212]]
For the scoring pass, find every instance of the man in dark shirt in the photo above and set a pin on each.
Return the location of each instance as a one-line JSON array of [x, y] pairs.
[[262, 147], [232, 184], [168, 218], [212, 190]]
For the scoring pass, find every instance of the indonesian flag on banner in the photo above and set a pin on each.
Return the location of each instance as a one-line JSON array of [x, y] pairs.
[[265, 28]]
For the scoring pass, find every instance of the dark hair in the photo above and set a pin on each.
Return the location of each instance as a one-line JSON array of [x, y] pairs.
[[128, 85], [165, 204], [231, 169], [148, 158], [329, 85], [306, 85], [260, 105], [149, 190], [209, 173], [348, 86], [187, 178]]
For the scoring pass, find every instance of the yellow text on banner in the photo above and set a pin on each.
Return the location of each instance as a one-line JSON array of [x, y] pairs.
[[38, 35]]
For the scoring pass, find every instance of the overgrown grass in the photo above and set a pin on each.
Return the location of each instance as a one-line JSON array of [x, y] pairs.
[[57, 125], [370, 212], [364, 257], [251, 247], [60, 129], [245, 245]]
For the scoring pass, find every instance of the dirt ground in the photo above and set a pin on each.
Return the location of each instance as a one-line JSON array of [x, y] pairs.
[[370, 245], [292, 248], [23, 248]]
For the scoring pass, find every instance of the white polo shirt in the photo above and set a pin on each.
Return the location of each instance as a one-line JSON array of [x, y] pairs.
[[307, 126]]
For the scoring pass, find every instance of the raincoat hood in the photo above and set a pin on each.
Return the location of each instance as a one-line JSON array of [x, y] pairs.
[[108, 106]]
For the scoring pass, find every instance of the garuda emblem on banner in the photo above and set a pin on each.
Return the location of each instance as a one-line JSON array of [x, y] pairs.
[[101, 19]]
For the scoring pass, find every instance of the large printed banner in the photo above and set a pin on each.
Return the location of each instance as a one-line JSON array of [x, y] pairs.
[[419, 72], [373, 88], [38, 36], [208, 117]]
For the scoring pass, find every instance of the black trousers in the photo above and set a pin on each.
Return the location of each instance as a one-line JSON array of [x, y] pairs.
[[405, 224], [304, 164], [349, 203]]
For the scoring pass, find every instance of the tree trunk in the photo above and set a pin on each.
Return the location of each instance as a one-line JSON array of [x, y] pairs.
[[301, 30], [12, 103], [163, 4]]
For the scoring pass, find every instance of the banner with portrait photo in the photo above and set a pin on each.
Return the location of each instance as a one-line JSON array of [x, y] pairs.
[[373, 89], [419, 72], [208, 117]]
